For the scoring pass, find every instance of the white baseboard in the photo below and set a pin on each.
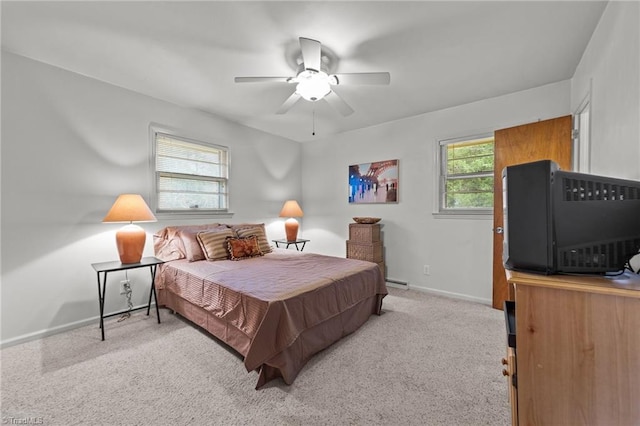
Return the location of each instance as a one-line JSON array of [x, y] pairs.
[[48, 332], [453, 295], [54, 330]]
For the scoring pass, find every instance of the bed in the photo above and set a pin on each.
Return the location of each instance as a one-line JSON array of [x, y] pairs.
[[275, 307]]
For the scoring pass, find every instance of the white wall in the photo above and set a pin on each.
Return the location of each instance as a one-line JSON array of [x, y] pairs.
[[609, 72], [70, 145], [458, 251]]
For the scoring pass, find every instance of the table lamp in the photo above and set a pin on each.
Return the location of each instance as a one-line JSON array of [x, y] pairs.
[[130, 238], [291, 209]]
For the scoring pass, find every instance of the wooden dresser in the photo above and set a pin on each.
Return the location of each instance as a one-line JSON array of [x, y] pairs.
[[365, 243], [577, 354]]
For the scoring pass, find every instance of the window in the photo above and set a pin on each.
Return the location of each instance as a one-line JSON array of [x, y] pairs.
[[466, 175], [190, 176]]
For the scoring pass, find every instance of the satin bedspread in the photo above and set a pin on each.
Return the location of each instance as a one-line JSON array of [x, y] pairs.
[[276, 310]]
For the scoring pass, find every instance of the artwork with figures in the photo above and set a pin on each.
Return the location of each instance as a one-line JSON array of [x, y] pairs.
[[373, 182]]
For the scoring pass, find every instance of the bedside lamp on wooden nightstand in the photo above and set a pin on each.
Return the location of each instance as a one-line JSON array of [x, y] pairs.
[[130, 238], [291, 209]]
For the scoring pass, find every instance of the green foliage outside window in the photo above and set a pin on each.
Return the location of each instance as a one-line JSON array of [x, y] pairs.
[[468, 183], [470, 193]]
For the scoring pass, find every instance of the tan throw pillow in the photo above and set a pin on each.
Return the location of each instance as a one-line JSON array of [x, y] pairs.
[[259, 232], [243, 248], [214, 243]]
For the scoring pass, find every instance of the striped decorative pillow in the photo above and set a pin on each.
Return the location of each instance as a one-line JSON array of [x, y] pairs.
[[214, 243], [258, 231]]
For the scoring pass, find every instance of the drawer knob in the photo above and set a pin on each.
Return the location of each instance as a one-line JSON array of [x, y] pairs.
[[505, 372], [504, 361]]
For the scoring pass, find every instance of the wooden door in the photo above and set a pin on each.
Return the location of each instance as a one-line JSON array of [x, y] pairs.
[[548, 139]]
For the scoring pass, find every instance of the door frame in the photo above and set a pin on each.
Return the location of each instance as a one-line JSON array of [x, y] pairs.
[[582, 135]]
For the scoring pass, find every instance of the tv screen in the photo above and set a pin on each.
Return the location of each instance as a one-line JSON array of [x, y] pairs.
[[566, 222]]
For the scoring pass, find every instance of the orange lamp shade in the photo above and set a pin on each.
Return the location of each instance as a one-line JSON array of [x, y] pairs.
[[291, 209], [130, 239]]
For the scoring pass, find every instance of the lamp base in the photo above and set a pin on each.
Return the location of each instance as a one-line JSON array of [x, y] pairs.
[[130, 241], [291, 229]]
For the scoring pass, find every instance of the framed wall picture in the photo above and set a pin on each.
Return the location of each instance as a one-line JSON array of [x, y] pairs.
[[373, 182]]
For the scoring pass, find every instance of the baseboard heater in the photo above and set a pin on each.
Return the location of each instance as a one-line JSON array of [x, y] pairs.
[[397, 283]]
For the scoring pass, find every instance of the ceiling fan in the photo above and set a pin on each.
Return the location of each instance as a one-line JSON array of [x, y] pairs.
[[313, 83]]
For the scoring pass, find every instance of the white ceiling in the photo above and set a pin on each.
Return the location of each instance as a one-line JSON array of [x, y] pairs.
[[439, 54]]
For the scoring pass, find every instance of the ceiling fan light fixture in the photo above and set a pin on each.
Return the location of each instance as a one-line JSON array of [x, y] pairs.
[[313, 85], [315, 65]]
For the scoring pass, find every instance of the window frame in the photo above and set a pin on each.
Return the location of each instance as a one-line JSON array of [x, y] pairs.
[[154, 130], [441, 180]]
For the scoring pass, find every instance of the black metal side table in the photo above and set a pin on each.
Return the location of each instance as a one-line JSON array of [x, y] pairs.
[[294, 242], [106, 267]]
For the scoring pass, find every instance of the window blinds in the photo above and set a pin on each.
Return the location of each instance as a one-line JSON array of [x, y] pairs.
[[190, 175]]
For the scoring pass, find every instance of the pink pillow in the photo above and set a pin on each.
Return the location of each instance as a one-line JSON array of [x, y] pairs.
[[193, 251], [170, 244]]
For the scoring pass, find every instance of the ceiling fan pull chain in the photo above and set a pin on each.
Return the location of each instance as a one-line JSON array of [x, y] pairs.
[[313, 125]]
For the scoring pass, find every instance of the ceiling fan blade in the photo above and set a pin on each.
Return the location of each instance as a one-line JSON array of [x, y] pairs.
[[262, 79], [311, 51], [338, 103], [286, 106], [363, 78]]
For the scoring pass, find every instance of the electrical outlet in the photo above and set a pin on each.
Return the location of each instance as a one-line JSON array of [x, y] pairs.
[[426, 270], [123, 286]]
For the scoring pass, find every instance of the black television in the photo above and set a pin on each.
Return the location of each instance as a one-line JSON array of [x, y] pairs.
[[559, 222]]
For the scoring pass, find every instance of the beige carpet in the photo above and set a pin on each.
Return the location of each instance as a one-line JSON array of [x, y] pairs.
[[427, 360]]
